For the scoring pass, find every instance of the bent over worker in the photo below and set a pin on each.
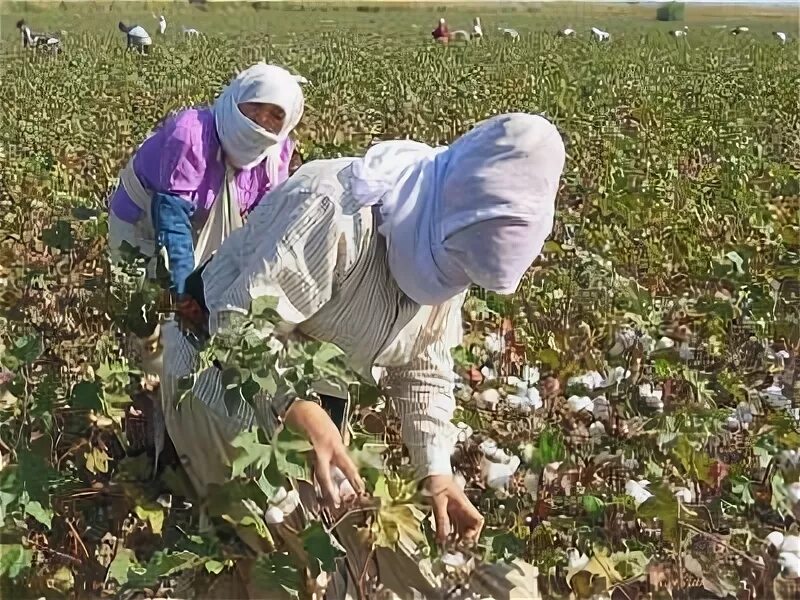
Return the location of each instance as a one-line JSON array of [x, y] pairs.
[[376, 256]]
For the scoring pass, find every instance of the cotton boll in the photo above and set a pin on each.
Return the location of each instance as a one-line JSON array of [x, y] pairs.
[[637, 491], [576, 561], [488, 399], [455, 560], [590, 380], [488, 373], [664, 343], [534, 399], [464, 432], [514, 381], [497, 475], [273, 515], [340, 480], [790, 563], [578, 403], [530, 374], [493, 343], [550, 473], [490, 450], [615, 376], [793, 490], [733, 424], [685, 495], [791, 543], [685, 352], [596, 431], [775, 539]]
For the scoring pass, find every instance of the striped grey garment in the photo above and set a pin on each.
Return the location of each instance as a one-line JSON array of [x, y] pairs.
[[311, 247]]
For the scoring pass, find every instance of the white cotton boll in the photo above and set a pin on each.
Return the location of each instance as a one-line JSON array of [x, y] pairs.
[[791, 543], [685, 495], [793, 490], [685, 352], [615, 376], [744, 412], [601, 408], [637, 491], [498, 475], [490, 450], [533, 398], [578, 403], [596, 431], [576, 561], [775, 539], [790, 562], [493, 343], [464, 432], [273, 515], [488, 399], [488, 373], [782, 354], [530, 374], [514, 381], [665, 343], [590, 380]]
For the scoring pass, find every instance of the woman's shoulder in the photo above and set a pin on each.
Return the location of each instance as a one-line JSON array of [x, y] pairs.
[[190, 124]]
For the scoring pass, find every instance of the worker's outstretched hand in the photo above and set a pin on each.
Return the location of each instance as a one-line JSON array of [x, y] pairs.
[[453, 512], [311, 420]]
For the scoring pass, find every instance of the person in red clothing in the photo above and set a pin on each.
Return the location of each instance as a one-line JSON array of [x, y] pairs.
[[441, 33]]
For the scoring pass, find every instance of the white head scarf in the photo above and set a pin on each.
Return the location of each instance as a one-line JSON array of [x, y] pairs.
[[245, 143], [477, 212]]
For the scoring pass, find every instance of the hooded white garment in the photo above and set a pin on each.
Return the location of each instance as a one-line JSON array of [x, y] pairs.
[[245, 143], [477, 212]]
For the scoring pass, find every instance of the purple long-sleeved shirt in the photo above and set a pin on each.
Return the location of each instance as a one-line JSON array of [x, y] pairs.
[[182, 158]]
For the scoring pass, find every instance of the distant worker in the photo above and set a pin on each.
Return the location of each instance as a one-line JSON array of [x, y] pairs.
[[162, 25], [477, 30], [138, 39], [34, 41], [441, 33]]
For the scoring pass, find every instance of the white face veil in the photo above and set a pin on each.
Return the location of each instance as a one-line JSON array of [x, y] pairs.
[[245, 143], [477, 212]]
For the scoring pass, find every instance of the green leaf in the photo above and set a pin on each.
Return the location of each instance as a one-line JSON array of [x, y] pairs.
[[162, 564], [214, 566], [88, 395], [59, 236], [63, 581], [275, 572], [263, 306], [320, 545], [663, 505], [696, 464], [593, 506], [549, 357], [40, 513], [152, 514], [250, 452], [14, 558]]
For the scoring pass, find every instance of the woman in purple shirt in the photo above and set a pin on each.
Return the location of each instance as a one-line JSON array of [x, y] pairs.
[[202, 170]]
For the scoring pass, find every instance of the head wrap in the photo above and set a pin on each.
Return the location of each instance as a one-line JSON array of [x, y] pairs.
[[477, 212], [245, 143]]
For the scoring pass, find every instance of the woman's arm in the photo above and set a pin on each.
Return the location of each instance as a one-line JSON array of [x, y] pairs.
[[171, 221]]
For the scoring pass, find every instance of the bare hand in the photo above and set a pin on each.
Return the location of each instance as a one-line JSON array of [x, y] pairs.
[[311, 420], [453, 512]]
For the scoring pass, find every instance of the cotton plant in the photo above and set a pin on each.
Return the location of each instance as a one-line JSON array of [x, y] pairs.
[[577, 404], [487, 399], [590, 380], [788, 548]]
